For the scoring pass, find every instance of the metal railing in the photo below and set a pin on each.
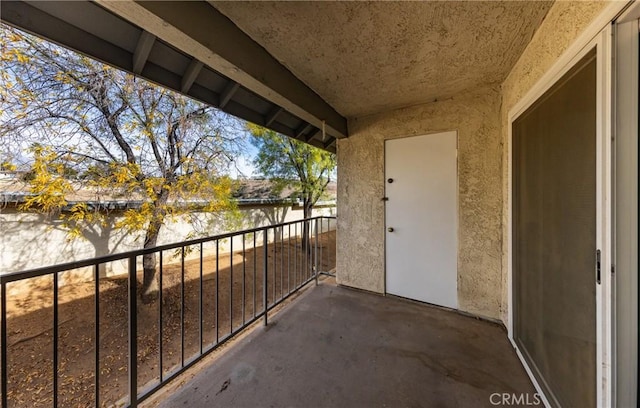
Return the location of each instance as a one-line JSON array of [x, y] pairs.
[[266, 266]]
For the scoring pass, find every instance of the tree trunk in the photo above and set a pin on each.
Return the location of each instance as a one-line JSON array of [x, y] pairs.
[[307, 211], [149, 282]]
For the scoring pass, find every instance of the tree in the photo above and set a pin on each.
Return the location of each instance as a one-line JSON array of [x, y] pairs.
[[292, 163], [92, 127]]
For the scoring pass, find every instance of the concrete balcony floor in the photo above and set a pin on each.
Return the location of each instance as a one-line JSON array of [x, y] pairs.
[[337, 347]]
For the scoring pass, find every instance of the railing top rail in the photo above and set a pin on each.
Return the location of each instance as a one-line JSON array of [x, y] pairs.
[[47, 270]]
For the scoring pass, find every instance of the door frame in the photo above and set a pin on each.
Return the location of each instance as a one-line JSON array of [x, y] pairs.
[[601, 39], [625, 320], [384, 181]]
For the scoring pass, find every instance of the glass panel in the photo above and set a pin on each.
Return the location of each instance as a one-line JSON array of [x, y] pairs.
[[554, 162]]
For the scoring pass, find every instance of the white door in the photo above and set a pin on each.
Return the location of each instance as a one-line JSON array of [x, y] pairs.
[[421, 218]]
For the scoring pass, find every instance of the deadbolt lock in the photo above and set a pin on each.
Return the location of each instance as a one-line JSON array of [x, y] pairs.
[[390, 229], [390, 180]]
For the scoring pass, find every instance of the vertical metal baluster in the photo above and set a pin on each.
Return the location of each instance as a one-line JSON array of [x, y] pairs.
[[282, 262], [55, 338], [200, 317], [326, 254], [3, 339], [96, 288], [244, 274], [231, 287], [310, 250], [320, 244], [217, 291], [303, 261], [264, 277], [255, 266], [305, 241], [182, 307], [321, 232], [330, 250], [289, 261], [315, 251], [295, 258], [312, 246], [274, 246], [133, 338], [160, 323]]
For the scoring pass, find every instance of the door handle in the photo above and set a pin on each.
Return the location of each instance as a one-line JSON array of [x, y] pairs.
[[598, 266], [390, 229]]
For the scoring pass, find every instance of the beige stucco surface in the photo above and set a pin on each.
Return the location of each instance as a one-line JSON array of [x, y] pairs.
[[563, 24], [361, 230], [368, 57]]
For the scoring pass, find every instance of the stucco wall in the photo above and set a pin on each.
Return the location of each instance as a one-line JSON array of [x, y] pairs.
[[563, 24], [476, 116]]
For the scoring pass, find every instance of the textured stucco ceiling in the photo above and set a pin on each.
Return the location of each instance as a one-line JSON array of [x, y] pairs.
[[367, 57]]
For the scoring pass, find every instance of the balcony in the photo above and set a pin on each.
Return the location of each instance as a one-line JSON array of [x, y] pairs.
[[545, 245], [70, 341]]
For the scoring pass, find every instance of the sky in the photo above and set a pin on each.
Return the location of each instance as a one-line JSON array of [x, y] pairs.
[[244, 166]]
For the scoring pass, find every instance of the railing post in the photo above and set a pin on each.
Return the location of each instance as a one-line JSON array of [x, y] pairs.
[[217, 291], [315, 251], [55, 338], [133, 338], [200, 313], [160, 321], [3, 339], [182, 304], [264, 278], [96, 288]]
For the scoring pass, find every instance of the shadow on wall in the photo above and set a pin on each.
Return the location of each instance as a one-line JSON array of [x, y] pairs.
[[263, 216], [32, 240], [269, 216], [25, 236]]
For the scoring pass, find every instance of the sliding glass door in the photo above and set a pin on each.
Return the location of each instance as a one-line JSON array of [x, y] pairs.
[[554, 236]]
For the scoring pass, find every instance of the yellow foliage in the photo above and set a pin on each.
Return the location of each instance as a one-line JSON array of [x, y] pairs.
[[15, 54], [8, 166], [153, 186], [79, 216], [48, 187], [122, 175], [80, 212]]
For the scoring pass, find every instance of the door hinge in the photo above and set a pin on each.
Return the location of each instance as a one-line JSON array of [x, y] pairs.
[[598, 266]]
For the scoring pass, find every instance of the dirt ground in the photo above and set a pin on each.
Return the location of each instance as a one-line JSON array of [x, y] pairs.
[[239, 282]]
